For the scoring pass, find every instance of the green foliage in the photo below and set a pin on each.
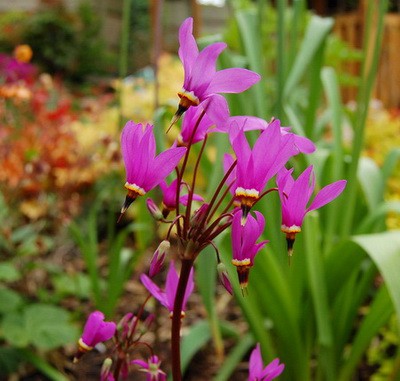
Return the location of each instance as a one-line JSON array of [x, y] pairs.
[[90, 237], [64, 43], [312, 309]]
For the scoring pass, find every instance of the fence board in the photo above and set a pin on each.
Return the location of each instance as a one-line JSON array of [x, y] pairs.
[[349, 27]]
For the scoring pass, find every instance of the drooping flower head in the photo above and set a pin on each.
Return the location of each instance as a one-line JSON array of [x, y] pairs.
[[202, 82], [257, 372], [295, 195], [189, 123], [95, 331], [152, 368], [167, 297], [255, 167], [169, 197], [144, 170], [244, 246]]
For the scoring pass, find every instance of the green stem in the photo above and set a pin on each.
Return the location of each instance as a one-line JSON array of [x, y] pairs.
[[187, 265], [44, 367]]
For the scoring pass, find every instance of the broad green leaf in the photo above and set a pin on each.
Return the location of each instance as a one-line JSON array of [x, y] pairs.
[[384, 250], [14, 330], [196, 339], [8, 272], [9, 300]]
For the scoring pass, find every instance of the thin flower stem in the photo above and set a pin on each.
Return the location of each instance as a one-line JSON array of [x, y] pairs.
[[191, 189], [185, 160], [213, 225], [223, 181], [187, 265], [218, 204]]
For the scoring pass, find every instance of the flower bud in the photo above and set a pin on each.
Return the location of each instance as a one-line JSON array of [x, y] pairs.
[[105, 373], [154, 210], [158, 258], [224, 277]]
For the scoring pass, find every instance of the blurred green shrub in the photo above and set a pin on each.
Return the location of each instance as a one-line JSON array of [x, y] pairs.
[[63, 43]]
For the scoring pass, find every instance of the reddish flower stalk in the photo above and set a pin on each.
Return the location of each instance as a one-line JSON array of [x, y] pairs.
[[187, 265]]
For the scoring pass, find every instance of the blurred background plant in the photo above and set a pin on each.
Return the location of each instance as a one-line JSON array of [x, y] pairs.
[[331, 315]]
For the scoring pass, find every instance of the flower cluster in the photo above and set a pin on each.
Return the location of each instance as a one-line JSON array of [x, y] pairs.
[[194, 222], [248, 169]]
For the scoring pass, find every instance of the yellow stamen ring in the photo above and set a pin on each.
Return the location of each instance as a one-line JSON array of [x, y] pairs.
[[83, 346], [135, 189], [247, 197], [188, 99], [241, 262], [290, 229]]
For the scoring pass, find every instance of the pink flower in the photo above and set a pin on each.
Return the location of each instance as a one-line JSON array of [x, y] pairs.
[[202, 82], [257, 372], [189, 124], [96, 330], [169, 197], [12, 70], [167, 297], [295, 195], [255, 167], [244, 246], [152, 368], [250, 123], [144, 170]]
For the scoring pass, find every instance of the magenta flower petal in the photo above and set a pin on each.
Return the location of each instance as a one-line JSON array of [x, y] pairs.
[[233, 80], [188, 50], [327, 194], [204, 69], [295, 195], [217, 108], [96, 330], [143, 170], [162, 166], [189, 124], [257, 372], [154, 290], [244, 245], [152, 368]]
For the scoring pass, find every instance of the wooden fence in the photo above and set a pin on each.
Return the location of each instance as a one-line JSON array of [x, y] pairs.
[[349, 27]]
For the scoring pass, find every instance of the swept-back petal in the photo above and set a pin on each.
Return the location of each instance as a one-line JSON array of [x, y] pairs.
[[217, 109], [154, 290], [91, 327], [255, 363], [142, 158], [299, 196], [162, 166], [236, 235], [233, 80], [130, 140], [188, 50], [105, 332], [327, 194], [204, 70], [171, 285], [189, 289]]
